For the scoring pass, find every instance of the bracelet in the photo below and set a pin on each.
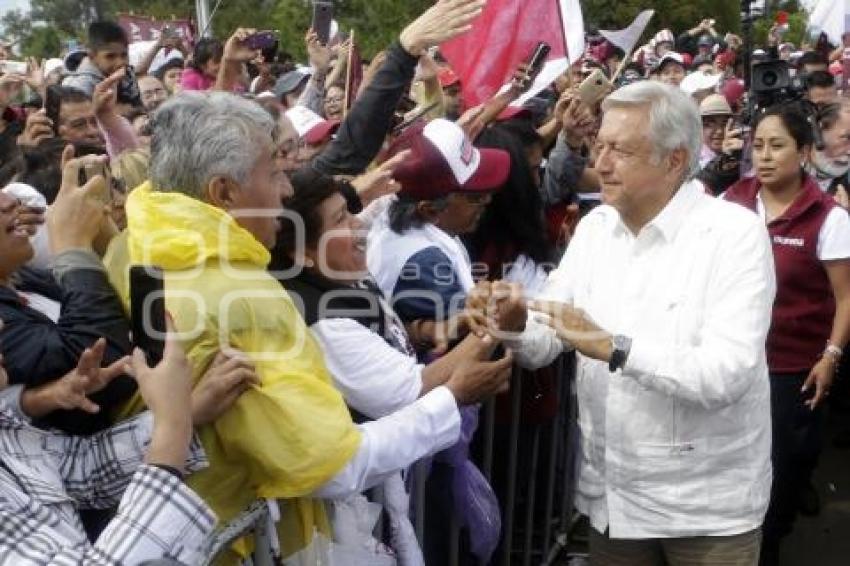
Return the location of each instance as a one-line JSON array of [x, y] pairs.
[[833, 351]]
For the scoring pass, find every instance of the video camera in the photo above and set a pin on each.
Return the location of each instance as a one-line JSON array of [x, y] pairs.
[[772, 84]]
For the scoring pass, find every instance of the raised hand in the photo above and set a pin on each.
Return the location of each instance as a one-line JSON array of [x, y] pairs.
[[105, 95], [75, 217], [38, 128], [319, 54], [235, 50], [444, 20], [73, 389], [379, 182]]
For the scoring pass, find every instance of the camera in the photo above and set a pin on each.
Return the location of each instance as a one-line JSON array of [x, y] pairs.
[[772, 83], [772, 80]]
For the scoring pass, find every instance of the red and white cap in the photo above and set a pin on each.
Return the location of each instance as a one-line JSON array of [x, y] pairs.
[[443, 160], [311, 127]]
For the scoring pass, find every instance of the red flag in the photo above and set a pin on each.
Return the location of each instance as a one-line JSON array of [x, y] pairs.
[[503, 36]]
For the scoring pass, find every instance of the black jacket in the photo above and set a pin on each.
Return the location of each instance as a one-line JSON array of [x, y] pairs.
[[362, 133], [36, 350]]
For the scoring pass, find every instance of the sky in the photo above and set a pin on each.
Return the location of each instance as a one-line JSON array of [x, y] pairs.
[[6, 5]]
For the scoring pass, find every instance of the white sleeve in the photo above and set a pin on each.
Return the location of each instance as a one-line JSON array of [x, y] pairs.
[[375, 208], [538, 345], [834, 237], [393, 443], [375, 378]]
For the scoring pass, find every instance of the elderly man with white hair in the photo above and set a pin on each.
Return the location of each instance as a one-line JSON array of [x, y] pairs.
[[666, 294]]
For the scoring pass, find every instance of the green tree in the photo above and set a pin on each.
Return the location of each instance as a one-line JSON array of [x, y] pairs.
[[43, 42]]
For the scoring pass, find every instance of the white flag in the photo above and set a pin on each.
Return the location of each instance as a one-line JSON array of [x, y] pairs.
[[829, 16], [626, 39]]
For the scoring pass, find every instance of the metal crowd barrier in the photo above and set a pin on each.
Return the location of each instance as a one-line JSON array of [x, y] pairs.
[[532, 539]]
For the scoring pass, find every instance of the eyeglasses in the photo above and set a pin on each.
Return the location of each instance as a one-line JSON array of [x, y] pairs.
[[715, 123], [334, 100], [475, 198]]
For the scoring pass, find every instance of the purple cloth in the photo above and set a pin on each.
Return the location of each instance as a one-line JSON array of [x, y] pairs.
[[475, 504]]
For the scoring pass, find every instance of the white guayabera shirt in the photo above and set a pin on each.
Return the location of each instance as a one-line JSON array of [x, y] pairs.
[[678, 443]]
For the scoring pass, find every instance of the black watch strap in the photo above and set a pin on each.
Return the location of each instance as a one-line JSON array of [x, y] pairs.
[[622, 345]]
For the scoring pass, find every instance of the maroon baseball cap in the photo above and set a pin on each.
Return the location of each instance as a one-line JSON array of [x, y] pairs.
[[442, 160], [321, 132]]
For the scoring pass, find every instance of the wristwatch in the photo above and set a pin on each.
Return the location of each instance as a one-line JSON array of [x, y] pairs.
[[620, 347]]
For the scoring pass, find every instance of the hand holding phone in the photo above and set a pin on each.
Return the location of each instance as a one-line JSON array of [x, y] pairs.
[[323, 13], [594, 88], [91, 170], [733, 138], [261, 40]]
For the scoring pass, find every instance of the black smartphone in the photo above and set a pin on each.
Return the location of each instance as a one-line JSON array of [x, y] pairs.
[[538, 58], [52, 106], [323, 14], [147, 311], [261, 40], [128, 89]]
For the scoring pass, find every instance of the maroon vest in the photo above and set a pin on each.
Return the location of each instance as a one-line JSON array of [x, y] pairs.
[[805, 305]]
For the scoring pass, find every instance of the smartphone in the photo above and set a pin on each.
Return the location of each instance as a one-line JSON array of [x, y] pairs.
[[52, 106], [147, 311], [90, 171], [261, 40], [16, 67], [128, 88], [594, 88], [538, 58], [323, 14]]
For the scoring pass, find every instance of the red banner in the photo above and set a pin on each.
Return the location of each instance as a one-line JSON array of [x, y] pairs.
[[501, 38], [141, 28]]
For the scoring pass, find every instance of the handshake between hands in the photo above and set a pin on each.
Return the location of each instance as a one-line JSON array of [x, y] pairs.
[[501, 310], [497, 313]]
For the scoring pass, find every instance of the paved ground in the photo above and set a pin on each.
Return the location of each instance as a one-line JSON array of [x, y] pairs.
[[825, 540]]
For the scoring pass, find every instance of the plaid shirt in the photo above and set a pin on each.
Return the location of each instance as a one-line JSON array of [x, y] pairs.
[[45, 477]]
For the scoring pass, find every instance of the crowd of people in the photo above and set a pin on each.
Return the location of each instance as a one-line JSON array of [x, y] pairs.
[[350, 270]]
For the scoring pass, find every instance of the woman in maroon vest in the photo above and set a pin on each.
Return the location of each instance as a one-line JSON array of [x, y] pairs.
[[811, 315]]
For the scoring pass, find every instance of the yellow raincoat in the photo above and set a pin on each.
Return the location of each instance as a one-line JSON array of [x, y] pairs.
[[282, 439]]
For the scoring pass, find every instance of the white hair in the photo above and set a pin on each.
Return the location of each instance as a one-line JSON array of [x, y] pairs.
[[198, 136], [674, 120]]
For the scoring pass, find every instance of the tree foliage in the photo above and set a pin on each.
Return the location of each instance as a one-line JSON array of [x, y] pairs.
[[676, 15], [376, 22]]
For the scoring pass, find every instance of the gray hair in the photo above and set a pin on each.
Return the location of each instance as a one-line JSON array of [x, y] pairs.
[[674, 120], [199, 136]]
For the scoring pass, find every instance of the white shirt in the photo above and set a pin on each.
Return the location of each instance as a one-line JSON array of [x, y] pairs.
[[834, 235], [374, 378], [678, 443], [383, 384]]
